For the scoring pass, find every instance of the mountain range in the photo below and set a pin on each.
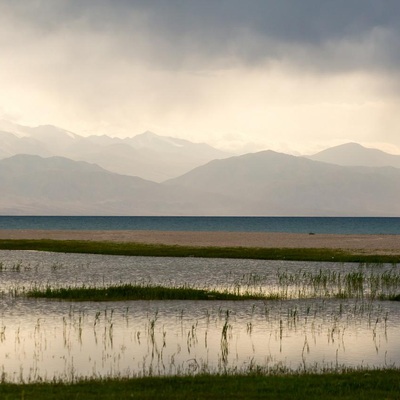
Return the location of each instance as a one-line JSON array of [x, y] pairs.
[[270, 183], [347, 180], [33, 185], [147, 155], [353, 154]]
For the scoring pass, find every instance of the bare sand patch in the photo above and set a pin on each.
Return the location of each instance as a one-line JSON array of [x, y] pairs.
[[366, 244]]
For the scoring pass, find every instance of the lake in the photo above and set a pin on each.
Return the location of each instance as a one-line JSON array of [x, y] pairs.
[[307, 327], [334, 225]]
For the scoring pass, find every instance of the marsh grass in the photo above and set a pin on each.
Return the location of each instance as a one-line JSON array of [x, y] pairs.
[[286, 285], [136, 292], [159, 250], [361, 384], [372, 284], [254, 382], [171, 342]]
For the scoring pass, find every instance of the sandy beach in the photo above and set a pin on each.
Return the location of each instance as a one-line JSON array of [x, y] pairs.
[[366, 244]]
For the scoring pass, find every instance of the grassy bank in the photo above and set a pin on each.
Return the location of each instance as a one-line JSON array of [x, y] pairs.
[[158, 250], [353, 385], [135, 292]]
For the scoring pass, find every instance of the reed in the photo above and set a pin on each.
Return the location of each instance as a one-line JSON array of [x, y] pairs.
[[201, 341], [136, 292], [208, 342], [375, 283]]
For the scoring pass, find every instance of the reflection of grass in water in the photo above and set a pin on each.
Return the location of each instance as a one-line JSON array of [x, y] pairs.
[[328, 284], [231, 382], [373, 284], [136, 292], [159, 338]]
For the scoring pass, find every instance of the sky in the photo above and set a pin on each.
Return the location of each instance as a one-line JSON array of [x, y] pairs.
[[287, 75]]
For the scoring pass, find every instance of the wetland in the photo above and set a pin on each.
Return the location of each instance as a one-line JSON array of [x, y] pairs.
[[306, 317]]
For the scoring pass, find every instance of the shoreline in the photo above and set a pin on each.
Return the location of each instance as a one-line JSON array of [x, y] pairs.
[[365, 244]]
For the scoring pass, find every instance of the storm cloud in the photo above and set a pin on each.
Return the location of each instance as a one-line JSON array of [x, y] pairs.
[[179, 57], [189, 34]]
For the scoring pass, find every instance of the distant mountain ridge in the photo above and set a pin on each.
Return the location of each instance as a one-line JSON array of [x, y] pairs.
[[270, 183], [32, 185], [147, 155], [353, 154], [91, 178], [259, 184]]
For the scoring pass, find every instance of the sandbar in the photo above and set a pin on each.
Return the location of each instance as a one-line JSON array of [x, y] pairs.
[[365, 244]]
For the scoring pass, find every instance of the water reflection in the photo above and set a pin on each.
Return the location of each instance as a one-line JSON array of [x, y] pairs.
[[46, 340]]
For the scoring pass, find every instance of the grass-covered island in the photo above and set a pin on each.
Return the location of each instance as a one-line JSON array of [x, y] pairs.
[[125, 292], [136, 292]]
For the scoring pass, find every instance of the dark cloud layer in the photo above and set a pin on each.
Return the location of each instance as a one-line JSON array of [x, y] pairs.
[[306, 20], [278, 71], [180, 34]]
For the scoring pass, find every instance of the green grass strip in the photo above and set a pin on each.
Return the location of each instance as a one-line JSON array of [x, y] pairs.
[[360, 385], [135, 292], [159, 250]]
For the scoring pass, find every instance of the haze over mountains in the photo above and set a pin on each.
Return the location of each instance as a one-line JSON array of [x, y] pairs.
[[347, 180], [353, 154], [270, 183], [147, 155], [32, 185]]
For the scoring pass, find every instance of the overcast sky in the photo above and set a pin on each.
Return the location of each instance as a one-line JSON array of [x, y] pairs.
[[288, 75]]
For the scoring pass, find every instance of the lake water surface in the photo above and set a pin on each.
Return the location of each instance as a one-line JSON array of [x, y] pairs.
[[335, 225], [305, 328]]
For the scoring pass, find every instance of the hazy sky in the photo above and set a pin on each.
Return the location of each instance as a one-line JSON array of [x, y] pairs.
[[288, 75]]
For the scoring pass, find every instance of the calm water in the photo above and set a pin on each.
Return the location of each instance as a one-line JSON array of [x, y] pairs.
[[27, 269], [46, 340], [337, 225]]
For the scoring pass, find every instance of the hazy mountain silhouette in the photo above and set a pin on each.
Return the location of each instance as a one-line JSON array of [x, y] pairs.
[[153, 157], [148, 155], [353, 154], [10, 144], [264, 183], [59, 186], [270, 183]]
